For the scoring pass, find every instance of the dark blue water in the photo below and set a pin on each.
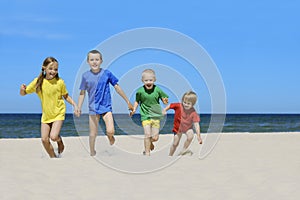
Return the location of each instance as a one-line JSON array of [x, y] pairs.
[[28, 125]]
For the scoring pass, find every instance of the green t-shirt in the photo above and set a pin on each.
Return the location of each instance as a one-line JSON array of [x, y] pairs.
[[149, 102]]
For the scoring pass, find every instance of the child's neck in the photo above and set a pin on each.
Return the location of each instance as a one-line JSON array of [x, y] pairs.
[[49, 78], [96, 70]]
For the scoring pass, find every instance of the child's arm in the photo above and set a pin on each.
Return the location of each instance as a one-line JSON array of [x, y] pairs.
[[70, 101], [23, 90], [123, 95], [80, 102], [164, 111], [135, 105], [197, 128]]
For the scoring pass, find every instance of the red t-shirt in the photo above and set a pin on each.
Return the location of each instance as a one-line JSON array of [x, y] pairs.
[[183, 119]]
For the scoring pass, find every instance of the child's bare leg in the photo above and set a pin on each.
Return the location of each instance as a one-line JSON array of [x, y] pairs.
[[110, 128], [151, 144], [147, 144], [176, 140], [60, 145], [49, 148], [189, 139], [155, 137], [45, 131], [147, 139], [93, 122], [54, 135]]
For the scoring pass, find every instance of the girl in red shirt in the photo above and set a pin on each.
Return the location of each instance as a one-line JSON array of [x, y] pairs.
[[186, 120]]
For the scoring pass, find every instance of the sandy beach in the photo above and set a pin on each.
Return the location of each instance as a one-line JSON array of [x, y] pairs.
[[238, 166]]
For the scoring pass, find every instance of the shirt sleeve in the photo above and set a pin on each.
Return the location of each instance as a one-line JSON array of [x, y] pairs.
[[173, 106], [138, 97], [195, 117], [83, 83], [31, 87], [64, 90], [112, 79], [161, 93]]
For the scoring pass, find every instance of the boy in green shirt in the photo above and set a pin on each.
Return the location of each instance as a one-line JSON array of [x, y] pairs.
[[148, 97]]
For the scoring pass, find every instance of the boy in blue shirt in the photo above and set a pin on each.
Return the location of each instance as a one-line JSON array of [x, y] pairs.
[[96, 82]]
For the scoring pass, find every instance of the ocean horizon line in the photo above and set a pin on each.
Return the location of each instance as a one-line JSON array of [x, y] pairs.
[[23, 125], [230, 113]]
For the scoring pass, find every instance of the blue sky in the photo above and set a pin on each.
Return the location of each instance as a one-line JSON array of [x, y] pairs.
[[254, 44]]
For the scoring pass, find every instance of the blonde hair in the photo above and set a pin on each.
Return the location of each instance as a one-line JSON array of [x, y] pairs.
[[48, 61], [149, 72], [190, 96]]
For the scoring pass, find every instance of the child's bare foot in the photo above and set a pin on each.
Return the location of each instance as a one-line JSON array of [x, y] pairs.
[[60, 146], [93, 153], [53, 156], [151, 146], [185, 152], [111, 139]]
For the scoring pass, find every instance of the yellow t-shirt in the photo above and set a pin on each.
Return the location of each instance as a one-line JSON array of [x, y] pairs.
[[53, 104]]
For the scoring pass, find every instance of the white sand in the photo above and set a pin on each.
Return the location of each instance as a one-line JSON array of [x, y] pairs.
[[240, 166]]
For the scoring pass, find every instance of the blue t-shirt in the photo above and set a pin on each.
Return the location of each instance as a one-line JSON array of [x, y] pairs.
[[97, 86]]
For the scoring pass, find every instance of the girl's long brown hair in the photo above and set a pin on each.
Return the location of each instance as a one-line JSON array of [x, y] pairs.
[[42, 75]]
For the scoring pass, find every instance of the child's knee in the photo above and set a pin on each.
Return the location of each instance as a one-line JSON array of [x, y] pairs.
[[155, 138], [110, 132], [92, 134], [189, 137], [54, 138], [175, 144], [45, 139]]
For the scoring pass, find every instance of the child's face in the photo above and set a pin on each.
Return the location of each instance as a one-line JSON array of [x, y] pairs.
[[51, 70], [148, 80], [94, 60], [187, 104]]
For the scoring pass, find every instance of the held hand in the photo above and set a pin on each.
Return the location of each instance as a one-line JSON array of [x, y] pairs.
[[130, 106], [164, 112], [132, 113], [77, 112], [165, 100]]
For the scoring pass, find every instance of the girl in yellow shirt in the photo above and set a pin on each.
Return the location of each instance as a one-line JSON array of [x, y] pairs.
[[51, 90]]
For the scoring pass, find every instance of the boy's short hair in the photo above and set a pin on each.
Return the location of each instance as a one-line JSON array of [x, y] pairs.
[[94, 51], [149, 71], [190, 96]]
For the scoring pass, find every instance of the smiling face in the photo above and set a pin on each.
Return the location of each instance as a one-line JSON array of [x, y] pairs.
[[94, 60], [188, 100], [187, 104], [148, 78], [51, 70]]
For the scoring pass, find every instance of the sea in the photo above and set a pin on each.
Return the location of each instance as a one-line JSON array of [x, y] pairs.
[[28, 125]]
